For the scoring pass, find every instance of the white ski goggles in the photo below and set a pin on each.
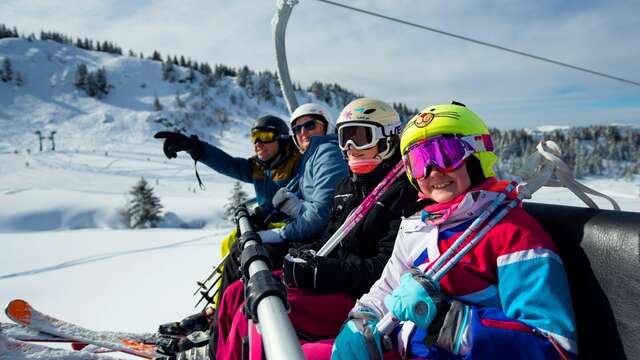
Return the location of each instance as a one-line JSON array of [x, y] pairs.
[[362, 136]]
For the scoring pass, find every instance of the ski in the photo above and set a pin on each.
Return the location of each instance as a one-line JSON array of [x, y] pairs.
[[13, 349], [24, 314], [24, 333]]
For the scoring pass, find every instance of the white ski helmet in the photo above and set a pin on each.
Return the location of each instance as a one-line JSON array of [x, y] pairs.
[[314, 109], [365, 123]]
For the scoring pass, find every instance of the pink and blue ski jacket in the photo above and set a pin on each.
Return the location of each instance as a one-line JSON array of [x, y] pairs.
[[512, 284]]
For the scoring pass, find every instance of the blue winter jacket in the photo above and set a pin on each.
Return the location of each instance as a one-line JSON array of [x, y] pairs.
[[266, 178], [321, 168]]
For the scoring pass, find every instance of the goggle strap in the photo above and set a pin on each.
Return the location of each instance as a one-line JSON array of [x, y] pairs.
[[479, 143]]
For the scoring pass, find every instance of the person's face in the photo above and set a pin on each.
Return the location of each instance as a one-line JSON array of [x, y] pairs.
[[442, 187], [354, 154], [266, 151], [303, 136]]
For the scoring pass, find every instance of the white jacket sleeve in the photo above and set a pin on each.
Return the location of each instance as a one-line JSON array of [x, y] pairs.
[[397, 265]]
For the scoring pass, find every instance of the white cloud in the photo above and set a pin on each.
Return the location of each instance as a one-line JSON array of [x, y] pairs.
[[397, 63]]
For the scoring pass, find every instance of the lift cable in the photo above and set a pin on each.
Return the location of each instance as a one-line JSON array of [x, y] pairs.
[[479, 42]]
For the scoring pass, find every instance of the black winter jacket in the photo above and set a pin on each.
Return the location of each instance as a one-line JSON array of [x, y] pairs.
[[357, 262]]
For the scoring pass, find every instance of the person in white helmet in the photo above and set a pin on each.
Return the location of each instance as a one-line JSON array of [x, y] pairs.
[[320, 169], [322, 290]]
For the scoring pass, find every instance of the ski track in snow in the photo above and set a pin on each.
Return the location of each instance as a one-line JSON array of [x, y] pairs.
[[101, 257]]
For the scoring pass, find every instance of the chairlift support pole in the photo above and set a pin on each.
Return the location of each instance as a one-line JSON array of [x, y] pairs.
[[53, 143], [40, 138], [279, 25]]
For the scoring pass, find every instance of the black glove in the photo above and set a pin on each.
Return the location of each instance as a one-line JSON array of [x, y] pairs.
[[299, 268], [192, 323], [175, 141], [170, 346]]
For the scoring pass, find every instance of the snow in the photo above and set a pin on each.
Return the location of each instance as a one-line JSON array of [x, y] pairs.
[[63, 247], [37, 351]]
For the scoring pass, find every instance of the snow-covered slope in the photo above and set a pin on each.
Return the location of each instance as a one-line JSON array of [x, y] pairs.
[[48, 100]]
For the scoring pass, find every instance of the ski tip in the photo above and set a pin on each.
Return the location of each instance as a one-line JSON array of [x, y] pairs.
[[19, 311]]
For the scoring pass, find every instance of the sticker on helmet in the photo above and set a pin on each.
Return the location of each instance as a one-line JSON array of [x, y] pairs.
[[424, 120]]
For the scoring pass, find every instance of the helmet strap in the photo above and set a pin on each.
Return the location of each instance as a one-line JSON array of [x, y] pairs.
[[387, 146]]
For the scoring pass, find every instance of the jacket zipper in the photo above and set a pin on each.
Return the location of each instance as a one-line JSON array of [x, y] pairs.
[[512, 325]]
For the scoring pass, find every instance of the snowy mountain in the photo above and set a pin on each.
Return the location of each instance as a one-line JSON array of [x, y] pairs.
[[48, 100]]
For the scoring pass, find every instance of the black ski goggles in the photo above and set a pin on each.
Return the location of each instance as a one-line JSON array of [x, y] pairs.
[[309, 125]]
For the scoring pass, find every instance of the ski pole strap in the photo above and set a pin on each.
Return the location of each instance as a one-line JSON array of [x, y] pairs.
[[546, 161], [361, 211], [200, 183]]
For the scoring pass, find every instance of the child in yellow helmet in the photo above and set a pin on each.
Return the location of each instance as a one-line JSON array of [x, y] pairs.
[[506, 298]]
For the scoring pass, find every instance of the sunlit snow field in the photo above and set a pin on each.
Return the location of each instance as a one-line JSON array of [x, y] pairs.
[[63, 247]]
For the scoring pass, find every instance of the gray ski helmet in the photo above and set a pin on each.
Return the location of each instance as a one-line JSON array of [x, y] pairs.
[[273, 123]]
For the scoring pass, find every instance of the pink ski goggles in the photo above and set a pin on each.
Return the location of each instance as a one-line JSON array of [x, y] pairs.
[[445, 153]]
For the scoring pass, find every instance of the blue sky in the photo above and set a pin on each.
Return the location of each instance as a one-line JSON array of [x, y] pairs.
[[390, 61]]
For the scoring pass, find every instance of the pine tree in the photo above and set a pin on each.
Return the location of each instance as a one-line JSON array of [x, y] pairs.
[[168, 71], [244, 76], [238, 196], [19, 80], [81, 76], [145, 209], [156, 104], [91, 88], [6, 73], [191, 76], [102, 86], [156, 56], [263, 90]]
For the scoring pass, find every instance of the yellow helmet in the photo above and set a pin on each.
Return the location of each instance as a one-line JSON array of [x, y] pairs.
[[455, 119]]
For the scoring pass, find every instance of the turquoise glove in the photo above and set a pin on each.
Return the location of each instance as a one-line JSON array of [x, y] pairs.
[[359, 339], [416, 299]]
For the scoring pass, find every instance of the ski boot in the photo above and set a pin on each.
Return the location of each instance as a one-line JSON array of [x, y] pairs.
[[172, 346], [192, 323]]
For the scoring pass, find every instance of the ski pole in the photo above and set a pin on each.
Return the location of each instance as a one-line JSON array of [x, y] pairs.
[[205, 293], [210, 299], [388, 321], [216, 269], [475, 240], [473, 227], [362, 210]]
